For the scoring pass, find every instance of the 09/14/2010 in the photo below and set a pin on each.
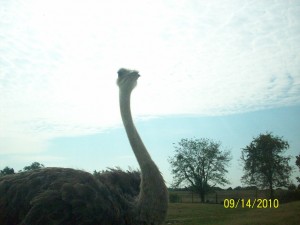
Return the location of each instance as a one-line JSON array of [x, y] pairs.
[[249, 203]]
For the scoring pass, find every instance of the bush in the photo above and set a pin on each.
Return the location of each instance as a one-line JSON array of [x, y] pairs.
[[6, 171], [288, 196], [174, 198]]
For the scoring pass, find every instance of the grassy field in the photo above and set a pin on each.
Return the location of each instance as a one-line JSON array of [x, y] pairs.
[[216, 214], [219, 196]]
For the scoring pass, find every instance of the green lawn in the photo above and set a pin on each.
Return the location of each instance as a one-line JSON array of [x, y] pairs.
[[216, 214]]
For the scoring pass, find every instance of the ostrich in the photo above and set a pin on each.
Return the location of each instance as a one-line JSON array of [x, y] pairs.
[[64, 196]]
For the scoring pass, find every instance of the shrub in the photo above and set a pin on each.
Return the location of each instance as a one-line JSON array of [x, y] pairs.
[[288, 196], [174, 198]]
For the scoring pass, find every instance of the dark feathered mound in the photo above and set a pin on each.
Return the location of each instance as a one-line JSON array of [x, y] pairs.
[[126, 183], [63, 196]]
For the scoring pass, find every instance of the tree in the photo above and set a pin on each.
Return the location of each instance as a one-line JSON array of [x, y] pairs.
[[200, 163], [298, 165], [264, 162], [33, 166], [7, 170], [292, 187]]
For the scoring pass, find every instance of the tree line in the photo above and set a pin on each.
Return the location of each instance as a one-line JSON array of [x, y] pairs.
[[201, 164], [8, 170]]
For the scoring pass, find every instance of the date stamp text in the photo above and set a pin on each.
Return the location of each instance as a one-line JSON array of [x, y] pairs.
[[251, 203]]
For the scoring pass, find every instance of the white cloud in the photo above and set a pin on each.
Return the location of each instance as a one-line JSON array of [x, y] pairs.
[[59, 60], [9, 145]]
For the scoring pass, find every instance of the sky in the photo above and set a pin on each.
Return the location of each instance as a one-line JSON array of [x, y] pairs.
[[227, 70]]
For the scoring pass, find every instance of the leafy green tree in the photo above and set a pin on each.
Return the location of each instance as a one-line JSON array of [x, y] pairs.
[[199, 163], [264, 162], [7, 170], [33, 166], [292, 187], [298, 165]]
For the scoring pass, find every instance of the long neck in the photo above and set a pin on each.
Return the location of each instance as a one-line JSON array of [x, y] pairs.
[[136, 142], [153, 198]]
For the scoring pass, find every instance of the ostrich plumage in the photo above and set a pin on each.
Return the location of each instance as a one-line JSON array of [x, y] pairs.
[[63, 196]]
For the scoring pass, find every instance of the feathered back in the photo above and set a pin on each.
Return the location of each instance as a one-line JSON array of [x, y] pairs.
[[61, 196], [127, 183]]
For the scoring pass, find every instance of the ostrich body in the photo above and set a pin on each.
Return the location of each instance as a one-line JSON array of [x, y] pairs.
[[63, 196]]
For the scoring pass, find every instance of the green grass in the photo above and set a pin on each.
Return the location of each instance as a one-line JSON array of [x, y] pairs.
[[216, 214]]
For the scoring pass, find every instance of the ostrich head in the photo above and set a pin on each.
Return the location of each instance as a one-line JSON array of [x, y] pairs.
[[127, 79]]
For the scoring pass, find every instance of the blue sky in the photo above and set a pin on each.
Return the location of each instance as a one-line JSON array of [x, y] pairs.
[[227, 70]]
